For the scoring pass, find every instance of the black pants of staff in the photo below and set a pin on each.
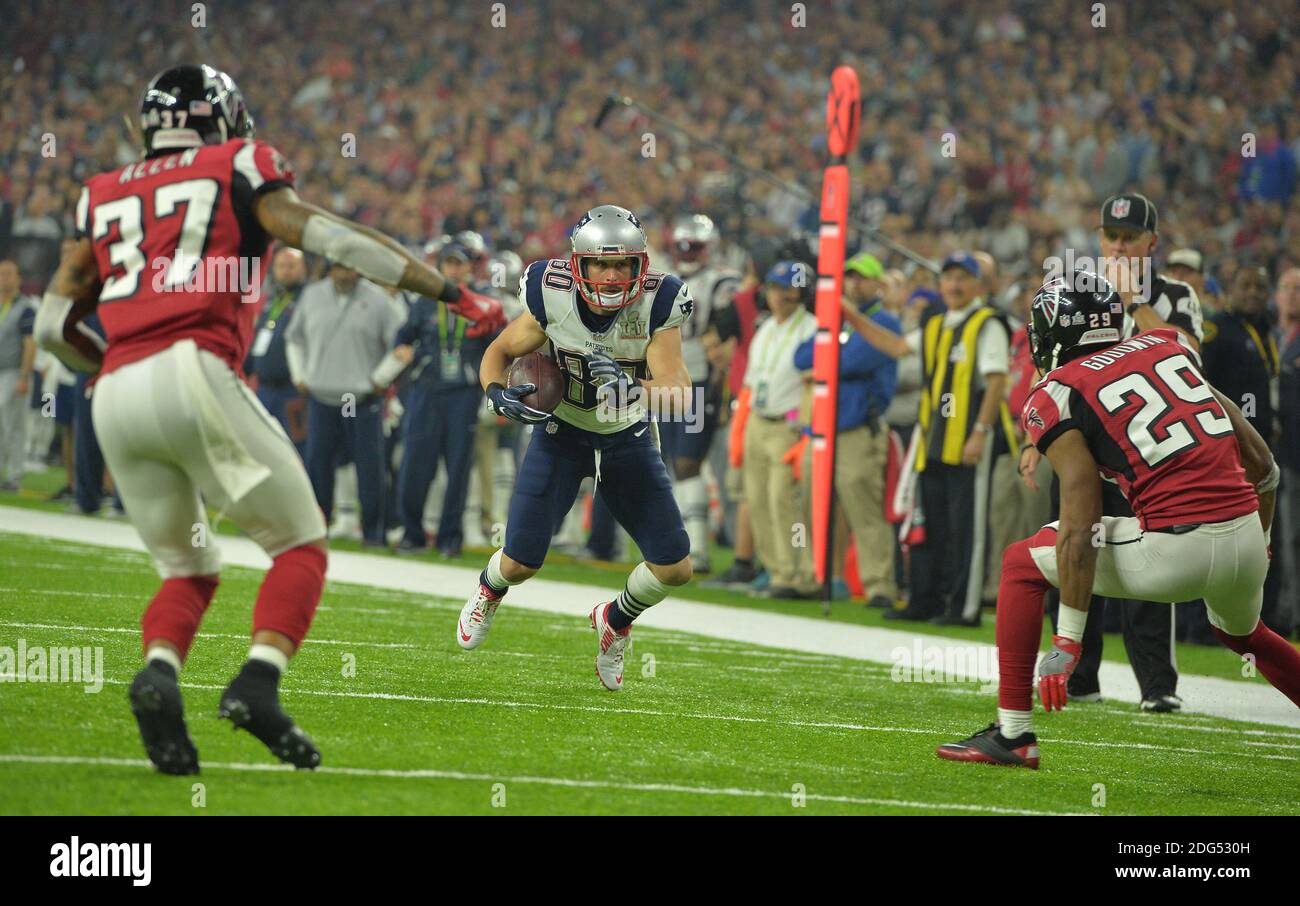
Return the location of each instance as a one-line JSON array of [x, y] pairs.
[[941, 567], [1147, 626]]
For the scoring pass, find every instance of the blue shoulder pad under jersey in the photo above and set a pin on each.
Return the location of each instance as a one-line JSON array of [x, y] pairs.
[[531, 290]]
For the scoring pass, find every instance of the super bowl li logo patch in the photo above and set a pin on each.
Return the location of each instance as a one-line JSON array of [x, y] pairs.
[[633, 328]]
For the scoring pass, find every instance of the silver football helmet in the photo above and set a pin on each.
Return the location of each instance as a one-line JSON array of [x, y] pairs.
[[694, 235], [505, 267], [608, 231]]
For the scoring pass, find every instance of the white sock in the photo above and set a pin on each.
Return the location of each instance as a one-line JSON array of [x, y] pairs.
[[642, 591], [166, 655], [269, 654], [494, 577], [1015, 722], [1070, 622], [692, 496]]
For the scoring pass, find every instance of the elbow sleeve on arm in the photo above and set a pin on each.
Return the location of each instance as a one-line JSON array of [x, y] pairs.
[[352, 248], [48, 330]]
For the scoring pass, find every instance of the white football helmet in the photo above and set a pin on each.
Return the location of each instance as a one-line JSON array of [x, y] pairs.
[[693, 238]]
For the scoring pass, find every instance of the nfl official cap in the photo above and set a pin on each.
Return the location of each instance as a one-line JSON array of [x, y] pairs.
[[964, 260], [1131, 210], [1188, 258]]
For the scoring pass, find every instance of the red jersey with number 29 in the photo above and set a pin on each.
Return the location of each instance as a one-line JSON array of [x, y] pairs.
[[1152, 424], [178, 248]]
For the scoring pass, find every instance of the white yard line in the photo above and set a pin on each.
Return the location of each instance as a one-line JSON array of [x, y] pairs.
[[569, 782], [210, 635], [1200, 694]]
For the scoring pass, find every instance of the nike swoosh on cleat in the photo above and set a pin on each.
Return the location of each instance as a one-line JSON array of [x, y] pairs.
[[461, 628]]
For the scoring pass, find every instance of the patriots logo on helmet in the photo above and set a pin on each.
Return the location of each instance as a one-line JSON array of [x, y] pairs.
[[1035, 420], [1119, 208]]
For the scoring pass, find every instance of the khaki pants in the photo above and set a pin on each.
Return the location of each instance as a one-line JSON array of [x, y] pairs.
[[774, 503], [13, 427], [1015, 512], [861, 459]]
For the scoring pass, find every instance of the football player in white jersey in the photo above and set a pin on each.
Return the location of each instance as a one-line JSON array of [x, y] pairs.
[[614, 328], [686, 442]]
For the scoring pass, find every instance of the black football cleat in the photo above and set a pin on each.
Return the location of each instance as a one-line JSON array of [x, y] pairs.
[[160, 713], [989, 746], [252, 702]]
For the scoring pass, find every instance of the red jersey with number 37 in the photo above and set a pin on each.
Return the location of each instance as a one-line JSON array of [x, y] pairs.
[[178, 249], [1151, 422]]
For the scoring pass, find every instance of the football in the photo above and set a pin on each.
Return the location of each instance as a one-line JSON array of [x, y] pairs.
[[539, 370]]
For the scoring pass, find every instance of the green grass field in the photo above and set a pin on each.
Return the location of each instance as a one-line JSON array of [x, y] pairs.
[[521, 725], [1205, 661]]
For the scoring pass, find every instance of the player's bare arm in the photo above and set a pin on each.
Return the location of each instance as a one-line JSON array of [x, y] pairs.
[[1262, 470], [521, 336], [76, 283], [891, 344], [671, 381], [372, 254], [1080, 514]]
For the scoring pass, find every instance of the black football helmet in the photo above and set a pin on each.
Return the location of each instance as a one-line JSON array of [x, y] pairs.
[[192, 97], [1072, 315]]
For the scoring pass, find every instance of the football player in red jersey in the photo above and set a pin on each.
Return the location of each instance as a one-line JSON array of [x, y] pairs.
[[1141, 412], [164, 252]]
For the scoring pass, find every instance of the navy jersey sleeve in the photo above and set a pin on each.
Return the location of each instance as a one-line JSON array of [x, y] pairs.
[[530, 291], [672, 304]]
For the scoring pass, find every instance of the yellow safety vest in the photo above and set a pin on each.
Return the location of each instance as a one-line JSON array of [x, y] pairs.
[[948, 383]]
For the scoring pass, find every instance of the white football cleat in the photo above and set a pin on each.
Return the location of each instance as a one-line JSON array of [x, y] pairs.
[[476, 618], [609, 656]]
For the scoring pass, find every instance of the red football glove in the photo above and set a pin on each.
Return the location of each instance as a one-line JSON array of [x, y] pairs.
[[1054, 671], [483, 312]]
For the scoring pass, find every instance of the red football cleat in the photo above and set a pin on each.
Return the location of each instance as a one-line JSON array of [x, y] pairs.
[[989, 746]]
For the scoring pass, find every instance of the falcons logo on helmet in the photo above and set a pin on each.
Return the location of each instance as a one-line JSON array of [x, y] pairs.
[[1049, 298]]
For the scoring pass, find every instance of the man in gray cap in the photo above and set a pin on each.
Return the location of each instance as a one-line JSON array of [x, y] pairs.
[[1188, 266]]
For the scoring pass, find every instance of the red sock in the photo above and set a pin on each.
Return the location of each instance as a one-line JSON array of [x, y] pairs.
[[287, 600], [175, 611], [1020, 622], [1275, 657]]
